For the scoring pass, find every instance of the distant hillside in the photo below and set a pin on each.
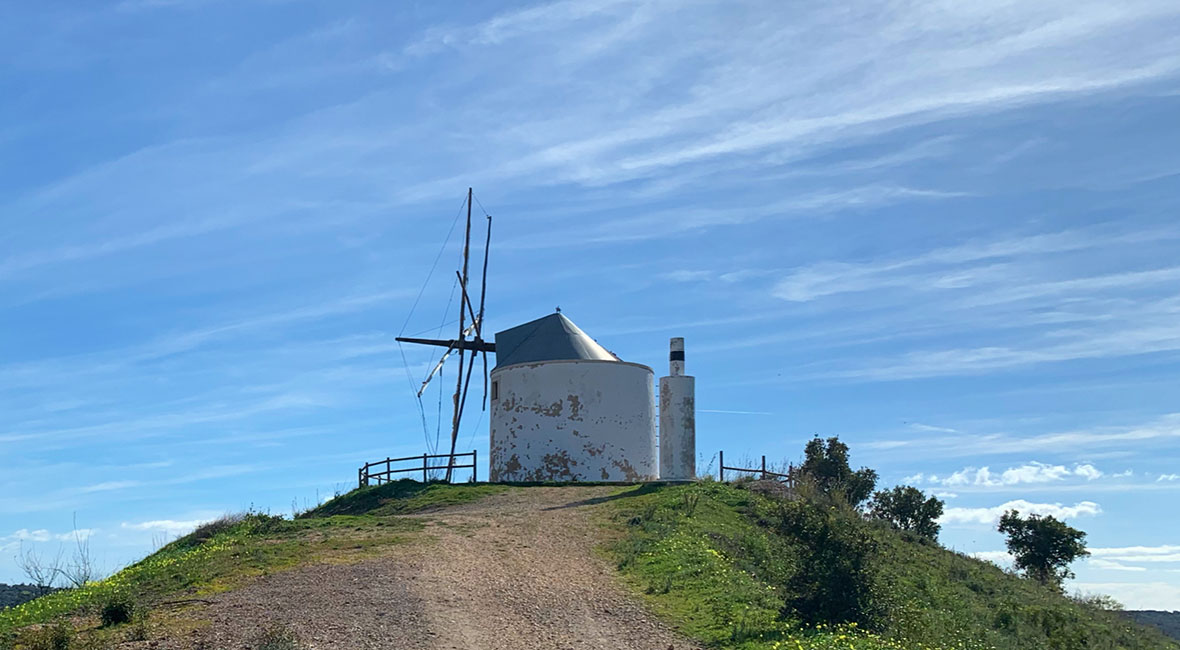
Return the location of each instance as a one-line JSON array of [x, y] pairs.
[[13, 595], [1166, 622]]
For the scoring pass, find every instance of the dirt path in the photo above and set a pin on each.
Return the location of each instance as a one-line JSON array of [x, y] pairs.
[[514, 571]]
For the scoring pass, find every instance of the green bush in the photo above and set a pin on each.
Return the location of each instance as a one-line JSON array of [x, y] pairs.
[[59, 636], [276, 637], [117, 609], [835, 578]]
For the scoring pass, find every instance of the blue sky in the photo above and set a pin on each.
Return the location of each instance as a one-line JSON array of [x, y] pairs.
[[945, 232]]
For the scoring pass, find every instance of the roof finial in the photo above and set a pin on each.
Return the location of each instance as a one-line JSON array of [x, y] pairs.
[[559, 309]]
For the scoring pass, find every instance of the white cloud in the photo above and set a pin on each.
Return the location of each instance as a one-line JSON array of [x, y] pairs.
[[543, 18], [945, 495], [170, 526], [1113, 565], [26, 535], [991, 515], [1087, 471], [686, 275], [1162, 429], [918, 426], [1151, 554], [1029, 473], [1168, 477], [829, 278], [109, 486], [997, 286], [738, 102], [961, 477], [999, 558], [1137, 595], [44, 535]]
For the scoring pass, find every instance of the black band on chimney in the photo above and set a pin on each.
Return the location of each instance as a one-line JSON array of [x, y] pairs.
[[676, 355]]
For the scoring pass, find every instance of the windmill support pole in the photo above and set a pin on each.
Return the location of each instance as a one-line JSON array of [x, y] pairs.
[[462, 335], [467, 301], [483, 294]]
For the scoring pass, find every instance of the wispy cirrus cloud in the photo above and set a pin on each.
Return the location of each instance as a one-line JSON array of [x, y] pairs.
[[653, 133], [892, 175], [1162, 430], [943, 268]]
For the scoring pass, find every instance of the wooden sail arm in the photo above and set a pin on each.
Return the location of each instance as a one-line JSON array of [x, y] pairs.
[[479, 345], [475, 320], [438, 366], [451, 347]]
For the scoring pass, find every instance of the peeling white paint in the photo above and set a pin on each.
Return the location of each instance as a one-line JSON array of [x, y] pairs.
[[678, 437], [573, 420]]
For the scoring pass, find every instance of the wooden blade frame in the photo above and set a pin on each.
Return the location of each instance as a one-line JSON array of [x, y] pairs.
[[462, 343]]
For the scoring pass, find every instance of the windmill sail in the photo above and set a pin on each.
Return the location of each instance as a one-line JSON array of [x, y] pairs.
[[470, 337]]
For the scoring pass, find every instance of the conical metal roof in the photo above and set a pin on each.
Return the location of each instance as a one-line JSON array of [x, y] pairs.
[[551, 338]]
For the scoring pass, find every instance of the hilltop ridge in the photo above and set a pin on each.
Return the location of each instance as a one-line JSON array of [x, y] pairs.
[[576, 566]]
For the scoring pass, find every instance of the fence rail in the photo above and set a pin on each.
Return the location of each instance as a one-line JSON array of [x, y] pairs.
[[366, 474], [788, 478]]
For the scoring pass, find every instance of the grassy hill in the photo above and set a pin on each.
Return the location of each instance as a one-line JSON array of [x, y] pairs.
[[712, 560], [221, 556]]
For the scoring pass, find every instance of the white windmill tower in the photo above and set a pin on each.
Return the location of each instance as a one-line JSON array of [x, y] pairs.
[[563, 408]]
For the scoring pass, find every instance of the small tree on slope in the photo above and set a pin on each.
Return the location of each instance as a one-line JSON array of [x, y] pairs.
[[826, 464], [1043, 546], [907, 508]]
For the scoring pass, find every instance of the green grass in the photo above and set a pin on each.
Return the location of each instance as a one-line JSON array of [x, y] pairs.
[[226, 554], [708, 560], [707, 557], [192, 567], [403, 497]]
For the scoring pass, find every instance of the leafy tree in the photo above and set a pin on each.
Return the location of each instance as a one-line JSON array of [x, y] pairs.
[[1043, 546], [907, 508], [835, 579], [826, 464]]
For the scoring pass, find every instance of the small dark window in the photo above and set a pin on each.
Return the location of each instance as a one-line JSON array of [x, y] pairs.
[[495, 390]]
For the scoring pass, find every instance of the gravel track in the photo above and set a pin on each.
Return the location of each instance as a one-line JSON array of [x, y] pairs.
[[516, 570]]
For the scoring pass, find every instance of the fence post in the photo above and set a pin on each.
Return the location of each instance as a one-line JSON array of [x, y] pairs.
[[474, 465], [360, 477], [721, 461], [763, 467], [424, 466]]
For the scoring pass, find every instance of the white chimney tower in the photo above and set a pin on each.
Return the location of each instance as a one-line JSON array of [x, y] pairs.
[[678, 435]]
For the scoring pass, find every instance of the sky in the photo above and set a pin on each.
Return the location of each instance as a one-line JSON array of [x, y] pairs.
[[945, 232]]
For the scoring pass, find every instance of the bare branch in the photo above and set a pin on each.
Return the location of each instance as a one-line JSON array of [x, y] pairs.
[[43, 571]]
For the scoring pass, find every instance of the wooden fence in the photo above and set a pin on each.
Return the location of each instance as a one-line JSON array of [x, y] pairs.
[[762, 472], [366, 473]]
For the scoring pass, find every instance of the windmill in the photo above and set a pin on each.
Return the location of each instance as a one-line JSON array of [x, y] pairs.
[[470, 337]]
